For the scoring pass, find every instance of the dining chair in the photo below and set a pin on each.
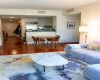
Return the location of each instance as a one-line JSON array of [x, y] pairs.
[[56, 39], [35, 41], [49, 42], [41, 41], [38, 41]]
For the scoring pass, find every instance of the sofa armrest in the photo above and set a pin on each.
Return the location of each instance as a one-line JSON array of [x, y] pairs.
[[72, 46], [83, 45], [67, 47]]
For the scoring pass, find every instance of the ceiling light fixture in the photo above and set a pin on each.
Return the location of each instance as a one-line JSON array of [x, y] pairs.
[[11, 17]]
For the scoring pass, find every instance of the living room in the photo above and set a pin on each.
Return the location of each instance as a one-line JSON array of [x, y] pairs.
[[59, 22], [76, 57]]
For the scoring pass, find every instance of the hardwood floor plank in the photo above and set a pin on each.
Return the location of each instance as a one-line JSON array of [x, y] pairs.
[[10, 48]]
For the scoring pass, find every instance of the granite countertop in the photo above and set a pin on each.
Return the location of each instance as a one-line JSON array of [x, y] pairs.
[[39, 31]]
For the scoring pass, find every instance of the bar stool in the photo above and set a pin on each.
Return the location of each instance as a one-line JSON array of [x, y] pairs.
[[35, 41], [49, 41], [56, 40], [38, 40], [41, 41]]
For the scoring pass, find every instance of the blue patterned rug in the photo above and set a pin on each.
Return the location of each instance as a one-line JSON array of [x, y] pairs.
[[19, 70]]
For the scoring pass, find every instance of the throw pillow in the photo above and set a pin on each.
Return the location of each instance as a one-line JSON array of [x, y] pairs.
[[93, 47]]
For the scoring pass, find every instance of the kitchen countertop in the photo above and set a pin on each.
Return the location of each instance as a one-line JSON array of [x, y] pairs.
[[40, 31]]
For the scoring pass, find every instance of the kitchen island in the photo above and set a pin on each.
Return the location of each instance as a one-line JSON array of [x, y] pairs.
[[29, 35]]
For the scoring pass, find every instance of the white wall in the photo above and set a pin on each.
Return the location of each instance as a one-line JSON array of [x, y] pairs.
[[30, 20], [9, 27], [90, 16], [67, 35], [23, 24], [1, 36], [45, 22], [54, 22]]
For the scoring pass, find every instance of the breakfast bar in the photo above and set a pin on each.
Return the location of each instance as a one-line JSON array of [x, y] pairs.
[[45, 34]]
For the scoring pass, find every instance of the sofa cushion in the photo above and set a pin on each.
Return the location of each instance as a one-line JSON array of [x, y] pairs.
[[75, 46], [92, 58], [71, 46], [92, 72], [80, 53]]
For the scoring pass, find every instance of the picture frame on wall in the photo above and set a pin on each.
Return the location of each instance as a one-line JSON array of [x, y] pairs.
[[70, 25]]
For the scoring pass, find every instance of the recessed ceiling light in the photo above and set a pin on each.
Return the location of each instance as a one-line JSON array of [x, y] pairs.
[[11, 17]]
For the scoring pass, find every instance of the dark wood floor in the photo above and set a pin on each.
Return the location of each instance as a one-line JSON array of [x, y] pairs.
[[10, 47]]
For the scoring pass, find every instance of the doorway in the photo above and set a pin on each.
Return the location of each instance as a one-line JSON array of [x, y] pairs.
[[9, 27]]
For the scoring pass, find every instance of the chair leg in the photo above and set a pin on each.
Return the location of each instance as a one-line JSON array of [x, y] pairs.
[[54, 44], [47, 43], [39, 44], [58, 43], [34, 44], [42, 43], [51, 44]]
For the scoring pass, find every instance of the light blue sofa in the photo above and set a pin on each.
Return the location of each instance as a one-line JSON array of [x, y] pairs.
[[92, 71], [82, 53]]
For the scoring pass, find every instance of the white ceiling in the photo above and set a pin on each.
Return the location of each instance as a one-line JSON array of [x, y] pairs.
[[22, 16], [18, 17], [43, 4]]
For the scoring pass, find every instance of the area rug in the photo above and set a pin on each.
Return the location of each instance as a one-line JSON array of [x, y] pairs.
[[21, 67]]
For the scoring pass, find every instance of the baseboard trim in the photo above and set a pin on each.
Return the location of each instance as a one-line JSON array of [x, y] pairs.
[[70, 43], [60, 42]]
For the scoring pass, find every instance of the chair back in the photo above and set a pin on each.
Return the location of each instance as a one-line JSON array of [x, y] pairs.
[[37, 39], [57, 37], [49, 39], [33, 38]]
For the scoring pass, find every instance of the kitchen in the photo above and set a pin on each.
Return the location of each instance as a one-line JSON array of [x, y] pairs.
[[39, 26]]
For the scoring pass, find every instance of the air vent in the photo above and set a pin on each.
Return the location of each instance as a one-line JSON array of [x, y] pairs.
[[31, 22], [41, 12], [70, 10]]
